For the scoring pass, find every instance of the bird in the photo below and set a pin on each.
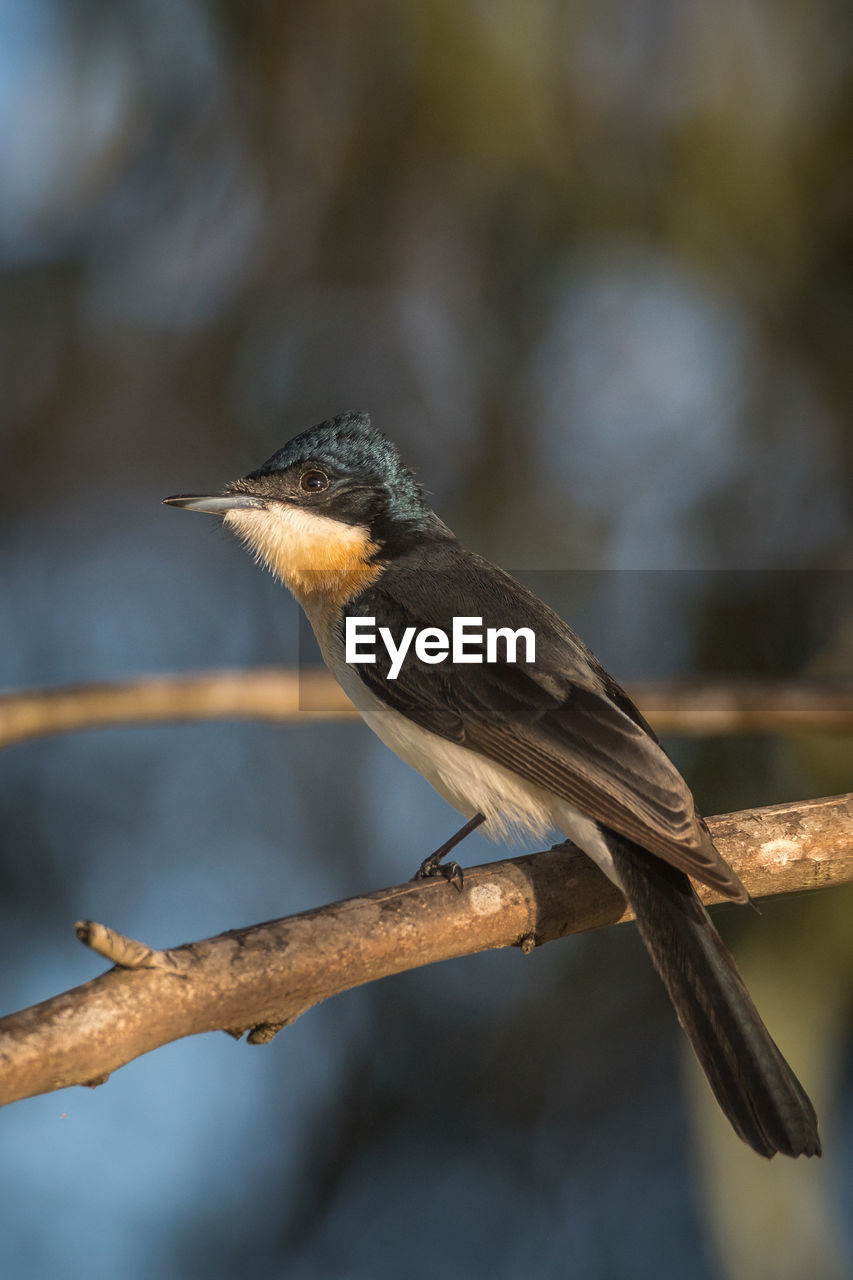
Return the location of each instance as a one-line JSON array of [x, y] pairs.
[[522, 748]]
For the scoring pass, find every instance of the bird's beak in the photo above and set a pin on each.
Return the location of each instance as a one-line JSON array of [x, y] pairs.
[[216, 505]]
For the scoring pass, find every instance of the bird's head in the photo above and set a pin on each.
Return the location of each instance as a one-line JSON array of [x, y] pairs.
[[327, 510]]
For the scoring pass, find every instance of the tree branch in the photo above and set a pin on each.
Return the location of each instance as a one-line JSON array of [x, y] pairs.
[[264, 977], [688, 707]]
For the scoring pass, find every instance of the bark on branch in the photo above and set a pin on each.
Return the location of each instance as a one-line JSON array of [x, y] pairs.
[[688, 707], [262, 978]]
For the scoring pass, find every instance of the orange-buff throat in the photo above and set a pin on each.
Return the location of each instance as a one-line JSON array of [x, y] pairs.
[[322, 561]]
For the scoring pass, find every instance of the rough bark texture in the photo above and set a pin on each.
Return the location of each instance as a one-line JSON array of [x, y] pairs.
[[263, 977]]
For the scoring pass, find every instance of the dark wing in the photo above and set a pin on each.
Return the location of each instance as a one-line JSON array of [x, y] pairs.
[[561, 722]]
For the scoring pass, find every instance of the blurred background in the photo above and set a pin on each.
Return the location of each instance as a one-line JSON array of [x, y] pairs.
[[591, 266]]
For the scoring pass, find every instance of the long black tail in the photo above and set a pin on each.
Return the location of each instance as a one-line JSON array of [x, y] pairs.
[[763, 1099]]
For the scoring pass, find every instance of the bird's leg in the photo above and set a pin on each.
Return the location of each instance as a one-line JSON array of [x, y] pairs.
[[452, 871]]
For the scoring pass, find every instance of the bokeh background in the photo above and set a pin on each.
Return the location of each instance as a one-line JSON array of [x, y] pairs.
[[591, 266]]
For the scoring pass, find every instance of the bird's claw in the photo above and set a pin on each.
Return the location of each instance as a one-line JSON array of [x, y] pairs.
[[451, 871]]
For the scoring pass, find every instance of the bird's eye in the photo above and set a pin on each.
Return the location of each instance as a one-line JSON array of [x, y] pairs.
[[313, 481]]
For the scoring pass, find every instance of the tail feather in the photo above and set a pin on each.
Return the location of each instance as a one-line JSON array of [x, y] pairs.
[[759, 1093]]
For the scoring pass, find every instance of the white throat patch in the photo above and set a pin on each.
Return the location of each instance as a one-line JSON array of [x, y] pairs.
[[313, 554]]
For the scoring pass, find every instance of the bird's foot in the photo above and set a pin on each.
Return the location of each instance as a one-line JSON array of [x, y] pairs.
[[433, 866], [451, 871]]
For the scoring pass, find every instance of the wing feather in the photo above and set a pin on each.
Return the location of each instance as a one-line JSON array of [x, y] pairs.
[[562, 722]]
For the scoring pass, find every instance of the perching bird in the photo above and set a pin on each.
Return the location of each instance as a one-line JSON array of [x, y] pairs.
[[529, 747]]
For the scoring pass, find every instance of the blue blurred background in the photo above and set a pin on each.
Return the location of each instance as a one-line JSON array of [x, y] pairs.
[[591, 266]]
